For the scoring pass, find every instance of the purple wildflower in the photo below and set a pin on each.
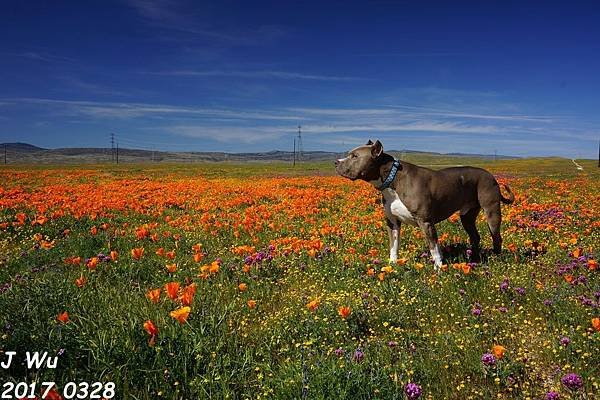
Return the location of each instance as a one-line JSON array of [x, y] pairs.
[[502, 309], [552, 395], [476, 311], [339, 352], [358, 355], [504, 285], [488, 359], [564, 341], [392, 344], [572, 381], [412, 390], [547, 302], [520, 291]]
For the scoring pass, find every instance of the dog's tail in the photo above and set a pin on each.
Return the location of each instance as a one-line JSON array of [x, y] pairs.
[[511, 197]]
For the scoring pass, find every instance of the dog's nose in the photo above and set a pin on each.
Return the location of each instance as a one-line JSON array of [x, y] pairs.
[[337, 162]]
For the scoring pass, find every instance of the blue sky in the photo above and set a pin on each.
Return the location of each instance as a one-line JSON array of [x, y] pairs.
[[519, 78]]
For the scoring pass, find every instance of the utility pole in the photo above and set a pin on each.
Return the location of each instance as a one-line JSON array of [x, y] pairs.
[[294, 162], [117, 152], [5, 155], [112, 147], [300, 149]]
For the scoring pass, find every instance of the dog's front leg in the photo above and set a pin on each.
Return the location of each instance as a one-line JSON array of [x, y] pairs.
[[394, 235], [432, 241]]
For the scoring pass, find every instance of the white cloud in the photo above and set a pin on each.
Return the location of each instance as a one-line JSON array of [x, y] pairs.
[[257, 75]]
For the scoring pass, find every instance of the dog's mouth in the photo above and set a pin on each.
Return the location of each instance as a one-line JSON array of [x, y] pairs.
[[345, 173]]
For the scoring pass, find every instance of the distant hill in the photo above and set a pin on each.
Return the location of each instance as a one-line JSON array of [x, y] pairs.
[[24, 147], [30, 154]]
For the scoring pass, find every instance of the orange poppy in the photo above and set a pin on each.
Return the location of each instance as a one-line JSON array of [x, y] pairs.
[[214, 267], [171, 254], [198, 257], [251, 304], [63, 317], [93, 230], [93, 263], [466, 268], [344, 312], [114, 255], [312, 305], [160, 252], [596, 324], [387, 269], [197, 248], [498, 351], [171, 267], [150, 328], [181, 314], [242, 287], [172, 288], [80, 282], [592, 265], [188, 294], [137, 253], [153, 295]]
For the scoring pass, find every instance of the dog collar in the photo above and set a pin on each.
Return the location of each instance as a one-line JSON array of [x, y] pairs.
[[386, 184]]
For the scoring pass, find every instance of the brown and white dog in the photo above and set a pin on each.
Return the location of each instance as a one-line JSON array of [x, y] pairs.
[[423, 197]]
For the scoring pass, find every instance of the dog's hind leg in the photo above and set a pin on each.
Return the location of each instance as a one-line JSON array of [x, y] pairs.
[[432, 241], [494, 220], [394, 235], [468, 221]]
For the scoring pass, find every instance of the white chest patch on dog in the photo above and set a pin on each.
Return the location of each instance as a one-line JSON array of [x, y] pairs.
[[395, 208]]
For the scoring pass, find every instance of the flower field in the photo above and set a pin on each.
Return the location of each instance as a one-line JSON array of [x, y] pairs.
[[221, 281]]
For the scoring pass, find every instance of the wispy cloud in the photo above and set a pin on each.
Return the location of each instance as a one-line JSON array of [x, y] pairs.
[[265, 74], [416, 112], [38, 56], [413, 54], [135, 110], [91, 88], [174, 16]]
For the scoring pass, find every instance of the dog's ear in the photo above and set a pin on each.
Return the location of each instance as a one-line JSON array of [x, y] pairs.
[[376, 149], [369, 142]]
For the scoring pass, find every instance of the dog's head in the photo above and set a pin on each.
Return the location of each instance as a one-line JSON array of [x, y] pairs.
[[362, 162]]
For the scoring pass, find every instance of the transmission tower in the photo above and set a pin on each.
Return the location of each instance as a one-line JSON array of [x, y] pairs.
[[299, 144], [112, 147]]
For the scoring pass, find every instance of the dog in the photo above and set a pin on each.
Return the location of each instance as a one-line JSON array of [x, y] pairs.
[[423, 197]]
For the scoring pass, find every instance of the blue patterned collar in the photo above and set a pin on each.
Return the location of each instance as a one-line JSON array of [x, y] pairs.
[[388, 181]]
